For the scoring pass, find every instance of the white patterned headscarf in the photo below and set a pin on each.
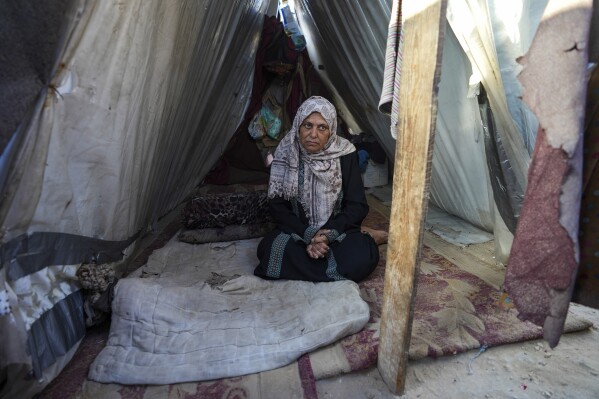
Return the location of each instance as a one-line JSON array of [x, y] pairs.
[[322, 170]]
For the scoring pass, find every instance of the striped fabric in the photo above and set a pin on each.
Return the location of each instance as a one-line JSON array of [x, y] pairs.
[[276, 259], [389, 102], [42, 318]]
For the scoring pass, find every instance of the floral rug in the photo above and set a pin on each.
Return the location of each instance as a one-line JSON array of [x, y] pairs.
[[454, 312]]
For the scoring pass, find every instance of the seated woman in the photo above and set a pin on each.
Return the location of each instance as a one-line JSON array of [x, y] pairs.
[[317, 200]]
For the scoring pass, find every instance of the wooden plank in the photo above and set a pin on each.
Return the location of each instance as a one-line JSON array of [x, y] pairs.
[[424, 27]]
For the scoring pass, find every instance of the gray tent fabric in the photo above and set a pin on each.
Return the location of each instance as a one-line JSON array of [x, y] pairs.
[[347, 42], [471, 139], [31, 36], [116, 112], [146, 100]]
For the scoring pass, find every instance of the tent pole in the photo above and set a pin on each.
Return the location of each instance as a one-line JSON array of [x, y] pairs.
[[424, 27]]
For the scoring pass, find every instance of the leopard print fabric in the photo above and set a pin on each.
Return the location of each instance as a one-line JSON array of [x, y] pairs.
[[226, 209]]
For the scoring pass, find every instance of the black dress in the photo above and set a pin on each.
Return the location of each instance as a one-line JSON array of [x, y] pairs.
[[353, 255]]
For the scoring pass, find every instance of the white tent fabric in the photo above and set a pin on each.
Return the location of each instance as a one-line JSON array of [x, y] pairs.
[[514, 25], [146, 97], [470, 20], [477, 24], [460, 182]]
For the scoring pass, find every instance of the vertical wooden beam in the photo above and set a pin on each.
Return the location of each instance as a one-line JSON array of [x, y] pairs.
[[424, 28]]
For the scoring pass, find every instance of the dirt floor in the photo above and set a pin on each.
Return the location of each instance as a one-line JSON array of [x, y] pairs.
[[522, 370]]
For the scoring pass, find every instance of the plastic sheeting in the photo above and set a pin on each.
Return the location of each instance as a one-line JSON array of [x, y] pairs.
[[459, 179], [28, 254], [145, 99], [56, 332], [470, 20], [493, 35], [28, 57], [147, 95], [346, 41], [514, 25], [138, 103]]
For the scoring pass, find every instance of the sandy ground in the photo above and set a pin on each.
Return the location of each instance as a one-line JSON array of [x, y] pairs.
[[523, 370]]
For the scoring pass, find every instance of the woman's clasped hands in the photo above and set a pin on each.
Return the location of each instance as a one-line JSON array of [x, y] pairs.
[[319, 244]]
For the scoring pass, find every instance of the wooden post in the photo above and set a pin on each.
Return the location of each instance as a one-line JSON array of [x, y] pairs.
[[424, 27]]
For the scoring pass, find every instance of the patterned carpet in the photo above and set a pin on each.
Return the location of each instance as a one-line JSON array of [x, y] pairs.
[[454, 312]]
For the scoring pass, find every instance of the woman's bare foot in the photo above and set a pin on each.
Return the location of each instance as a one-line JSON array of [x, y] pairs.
[[380, 236]]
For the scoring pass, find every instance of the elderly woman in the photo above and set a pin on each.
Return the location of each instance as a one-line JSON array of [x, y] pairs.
[[317, 200]]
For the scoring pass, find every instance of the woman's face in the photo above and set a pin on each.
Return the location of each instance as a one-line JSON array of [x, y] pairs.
[[314, 133]]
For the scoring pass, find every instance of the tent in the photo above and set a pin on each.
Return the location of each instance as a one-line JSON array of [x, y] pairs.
[[113, 112]]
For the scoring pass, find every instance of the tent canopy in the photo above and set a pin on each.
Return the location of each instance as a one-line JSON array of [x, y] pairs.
[[113, 112]]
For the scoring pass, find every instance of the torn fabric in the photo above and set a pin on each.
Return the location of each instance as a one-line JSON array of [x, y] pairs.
[[545, 255]]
